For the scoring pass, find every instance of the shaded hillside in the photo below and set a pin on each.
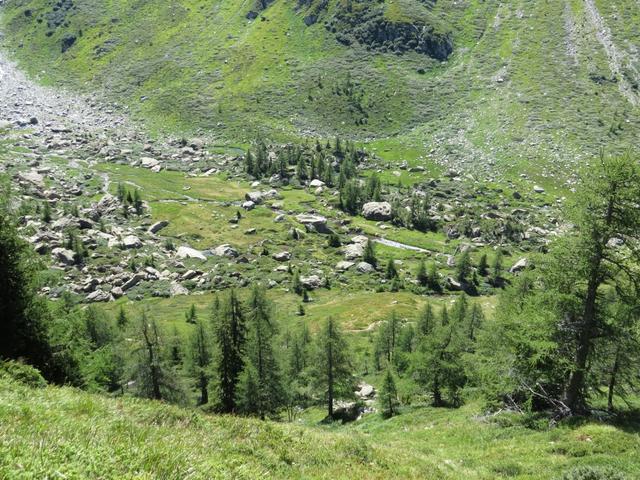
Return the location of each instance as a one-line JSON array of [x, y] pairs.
[[522, 84]]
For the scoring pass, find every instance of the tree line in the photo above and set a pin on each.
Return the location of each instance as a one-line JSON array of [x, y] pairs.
[[565, 332]]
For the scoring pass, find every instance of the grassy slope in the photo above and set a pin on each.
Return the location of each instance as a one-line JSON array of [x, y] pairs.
[[519, 89], [65, 433]]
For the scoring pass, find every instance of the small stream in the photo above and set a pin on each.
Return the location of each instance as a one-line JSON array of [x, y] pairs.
[[402, 246]]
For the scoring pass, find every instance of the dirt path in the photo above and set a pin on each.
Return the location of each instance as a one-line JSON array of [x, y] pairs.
[[615, 56]]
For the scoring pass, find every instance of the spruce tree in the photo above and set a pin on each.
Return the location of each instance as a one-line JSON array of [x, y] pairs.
[[137, 202], [24, 328], [463, 267], [191, 316], [153, 374], [369, 255], [230, 340], [483, 266], [122, 319], [421, 275], [391, 271], [388, 395], [199, 360], [264, 371], [332, 369]]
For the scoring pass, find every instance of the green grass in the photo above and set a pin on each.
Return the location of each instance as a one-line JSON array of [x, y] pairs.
[[57, 432]]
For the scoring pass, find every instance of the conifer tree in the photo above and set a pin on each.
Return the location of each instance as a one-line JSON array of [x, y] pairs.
[[369, 255], [332, 369], [483, 266], [122, 319], [263, 380], [230, 341], [391, 271], [199, 360], [463, 267], [388, 395]]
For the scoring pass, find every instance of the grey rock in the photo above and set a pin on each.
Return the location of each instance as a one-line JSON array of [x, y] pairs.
[[156, 227], [314, 223], [188, 252], [225, 250], [311, 282], [379, 211], [519, 266], [131, 241], [364, 267], [344, 266], [282, 256], [98, 296], [63, 255], [353, 251], [176, 289]]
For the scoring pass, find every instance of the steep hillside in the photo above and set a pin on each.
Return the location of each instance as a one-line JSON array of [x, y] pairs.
[[64, 433], [522, 85]]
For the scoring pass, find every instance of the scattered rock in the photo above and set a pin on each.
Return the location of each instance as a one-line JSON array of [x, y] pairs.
[[378, 211], [364, 267], [156, 227], [131, 241], [519, 266], [98, 296], [311, 282], [188, 252], [282, 256], [225, 250], [314, 223], [63, 255]]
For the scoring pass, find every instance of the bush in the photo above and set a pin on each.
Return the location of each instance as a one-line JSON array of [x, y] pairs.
[[22, 373]]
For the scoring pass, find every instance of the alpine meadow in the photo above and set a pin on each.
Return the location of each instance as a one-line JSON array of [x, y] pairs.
[[320, 239]]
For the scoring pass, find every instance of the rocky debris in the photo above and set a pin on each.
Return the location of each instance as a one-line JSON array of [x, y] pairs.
[[282, 256], [311, 282], [538, 189], [314, 223], [343, 266], [132, 282], [519, 266], [255, 197], [353, 251], [98, 296], [452, 284], [378, 211], [248, 205], [364, 267], [365, 391], [148, 162], [131, 241], [64, 256], [156, 227], [175, 289], [32, 177], [107, 204], [117, 292], [225, 250], [190, 274], [346, 411], [188, 252], [316, 183]]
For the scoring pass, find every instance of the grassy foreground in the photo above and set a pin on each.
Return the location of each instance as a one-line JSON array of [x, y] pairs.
[[65, 433]]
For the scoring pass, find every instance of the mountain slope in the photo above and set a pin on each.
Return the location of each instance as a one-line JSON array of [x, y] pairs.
[[65, 433], [539, 84]]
